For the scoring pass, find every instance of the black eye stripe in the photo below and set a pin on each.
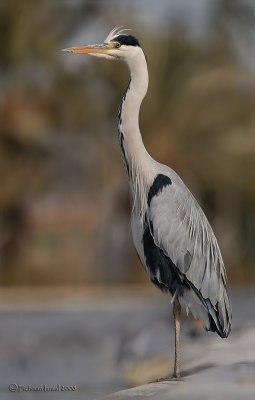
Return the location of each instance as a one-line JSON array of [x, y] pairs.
[[128, 40]]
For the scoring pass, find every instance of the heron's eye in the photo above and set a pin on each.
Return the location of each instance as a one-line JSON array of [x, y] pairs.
[[117, 45]]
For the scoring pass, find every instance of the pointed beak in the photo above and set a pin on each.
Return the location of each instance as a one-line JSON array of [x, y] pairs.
[[93, 49]]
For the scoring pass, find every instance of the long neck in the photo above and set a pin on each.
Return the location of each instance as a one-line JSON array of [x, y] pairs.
[[135, 157]]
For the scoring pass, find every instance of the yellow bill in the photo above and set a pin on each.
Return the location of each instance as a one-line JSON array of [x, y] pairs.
[[93, 49]]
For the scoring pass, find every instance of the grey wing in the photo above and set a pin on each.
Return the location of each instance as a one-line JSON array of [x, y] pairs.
[[181, 230]]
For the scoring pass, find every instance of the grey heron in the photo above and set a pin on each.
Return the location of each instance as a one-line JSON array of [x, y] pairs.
[[172, 236]]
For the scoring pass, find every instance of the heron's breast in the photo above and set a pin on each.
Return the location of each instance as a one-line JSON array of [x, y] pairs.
[[137, 234]]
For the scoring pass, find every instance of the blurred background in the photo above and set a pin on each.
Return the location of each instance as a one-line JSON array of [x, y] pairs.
[[64, 195], [64, 199]]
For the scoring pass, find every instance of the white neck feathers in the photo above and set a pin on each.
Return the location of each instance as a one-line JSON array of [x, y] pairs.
[[136, 159]]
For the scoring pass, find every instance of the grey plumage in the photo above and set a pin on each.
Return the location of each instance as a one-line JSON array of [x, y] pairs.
[[172, 236], [182, 231]]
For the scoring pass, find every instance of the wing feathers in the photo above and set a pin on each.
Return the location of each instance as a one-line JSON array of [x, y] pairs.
[[183, 233]]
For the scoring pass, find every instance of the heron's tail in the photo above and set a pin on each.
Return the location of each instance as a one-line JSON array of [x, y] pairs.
[[220, 316], [214, 318]]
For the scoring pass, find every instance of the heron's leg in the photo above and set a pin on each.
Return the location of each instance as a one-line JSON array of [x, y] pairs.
[[177, 318]]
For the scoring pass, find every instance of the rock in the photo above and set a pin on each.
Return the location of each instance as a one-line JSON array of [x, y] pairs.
[[234, 381]]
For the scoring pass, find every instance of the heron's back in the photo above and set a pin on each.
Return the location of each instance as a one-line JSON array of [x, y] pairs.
[[180, 253]]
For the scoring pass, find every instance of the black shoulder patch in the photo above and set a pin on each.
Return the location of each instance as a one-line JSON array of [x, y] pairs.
[[128, 40], [159, 183]]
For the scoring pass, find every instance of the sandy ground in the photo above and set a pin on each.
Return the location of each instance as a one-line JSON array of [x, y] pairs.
[[85, 344]]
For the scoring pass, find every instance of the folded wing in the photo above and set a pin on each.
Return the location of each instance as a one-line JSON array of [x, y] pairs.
[[181, 230]]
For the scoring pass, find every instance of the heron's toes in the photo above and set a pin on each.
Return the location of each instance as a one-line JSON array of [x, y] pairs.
[[171, 378]]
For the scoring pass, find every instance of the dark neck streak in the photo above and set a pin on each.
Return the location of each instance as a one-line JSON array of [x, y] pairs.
[[121, 135], [138, 163]]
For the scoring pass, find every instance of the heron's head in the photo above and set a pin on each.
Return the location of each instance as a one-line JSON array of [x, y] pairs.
[[117, 45]]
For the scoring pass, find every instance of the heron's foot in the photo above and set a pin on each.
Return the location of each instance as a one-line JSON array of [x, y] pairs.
[[171, 378]]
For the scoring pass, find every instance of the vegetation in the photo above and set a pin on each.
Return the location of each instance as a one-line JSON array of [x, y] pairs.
[[64, 199]]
